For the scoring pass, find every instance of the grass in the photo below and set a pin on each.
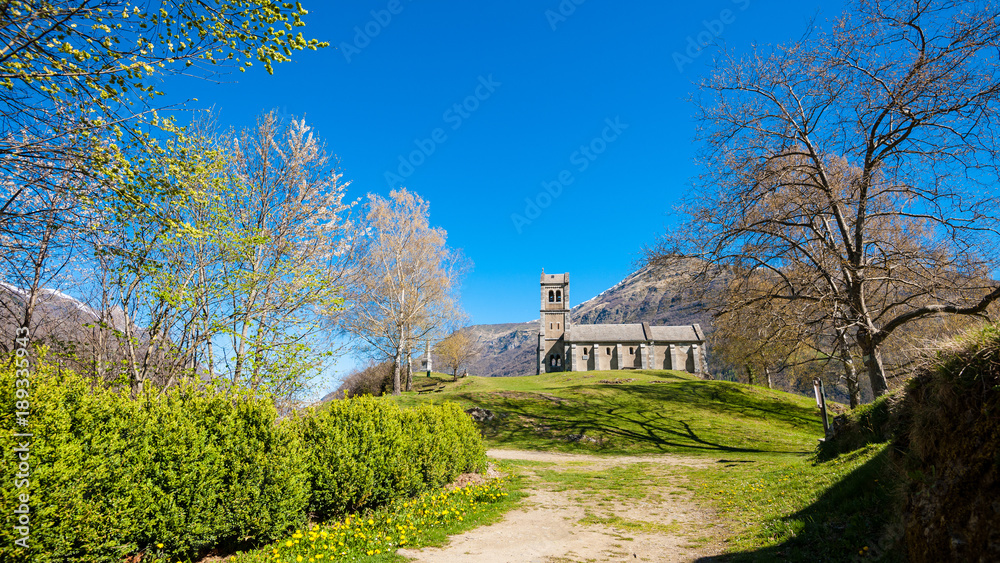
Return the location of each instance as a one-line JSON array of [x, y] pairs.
[[647, 412], [805, 509], [767, 487], [375, 536]]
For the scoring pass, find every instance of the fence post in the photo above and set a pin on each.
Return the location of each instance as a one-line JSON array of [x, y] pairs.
[[821, 403]]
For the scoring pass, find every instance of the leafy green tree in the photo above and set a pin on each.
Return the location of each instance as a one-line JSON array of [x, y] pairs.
[[225, 270], [78, 90], [74, 70]]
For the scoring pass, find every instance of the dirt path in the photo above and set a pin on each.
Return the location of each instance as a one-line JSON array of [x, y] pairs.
[[590, 508], [600, 461]]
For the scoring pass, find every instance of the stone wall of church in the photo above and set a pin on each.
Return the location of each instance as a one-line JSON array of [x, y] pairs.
[[615, 356], [661, 357]]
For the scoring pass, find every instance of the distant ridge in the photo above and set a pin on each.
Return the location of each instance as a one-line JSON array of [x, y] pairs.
[[651, 294]]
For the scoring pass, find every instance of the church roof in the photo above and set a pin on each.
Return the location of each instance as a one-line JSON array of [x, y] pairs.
[[633, 333], [685, 333]]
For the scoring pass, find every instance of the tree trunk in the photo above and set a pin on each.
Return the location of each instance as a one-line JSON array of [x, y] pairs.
[[38, 263], [767, 376], [873, 363], [850, 373], [409, 366], [395, 372], [851, 378], [749, 370]]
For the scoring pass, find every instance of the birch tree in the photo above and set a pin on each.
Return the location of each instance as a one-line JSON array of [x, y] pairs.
[[858, 167], [404, 281], [286, 253]]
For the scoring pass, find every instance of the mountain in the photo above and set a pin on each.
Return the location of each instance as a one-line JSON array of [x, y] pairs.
[[652, 294], [64, 323]]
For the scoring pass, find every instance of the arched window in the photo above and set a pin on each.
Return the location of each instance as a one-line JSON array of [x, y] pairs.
[[552, 296], [550, 325], [558, 296], [558, 360], [609, 351], [557, 326], [552, 360], [584, 351], [631, 351]]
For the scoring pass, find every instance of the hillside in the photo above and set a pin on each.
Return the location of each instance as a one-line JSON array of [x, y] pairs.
[[698, 468], [650, 295], [58, 318], [642, 411]]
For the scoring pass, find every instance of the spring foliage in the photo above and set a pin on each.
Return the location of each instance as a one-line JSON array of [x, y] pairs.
[[187, 469]]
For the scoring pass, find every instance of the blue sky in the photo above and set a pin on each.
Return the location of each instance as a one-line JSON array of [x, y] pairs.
[[490, 102]]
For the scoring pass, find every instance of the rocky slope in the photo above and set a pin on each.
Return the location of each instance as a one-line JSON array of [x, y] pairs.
[[63, 323]]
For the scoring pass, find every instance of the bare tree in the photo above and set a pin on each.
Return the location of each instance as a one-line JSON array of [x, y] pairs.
[[457, 350], [766, 336], [858, 167], [38, 244], [404, 281]]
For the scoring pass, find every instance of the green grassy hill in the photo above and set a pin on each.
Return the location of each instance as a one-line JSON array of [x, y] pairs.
[[653, 411], [776, 498]]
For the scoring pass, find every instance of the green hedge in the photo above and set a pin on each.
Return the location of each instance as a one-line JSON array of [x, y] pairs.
[[191, 469], [112, 476], [366, 451]]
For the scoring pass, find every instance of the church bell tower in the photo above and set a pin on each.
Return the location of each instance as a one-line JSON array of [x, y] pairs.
[[554, 322]]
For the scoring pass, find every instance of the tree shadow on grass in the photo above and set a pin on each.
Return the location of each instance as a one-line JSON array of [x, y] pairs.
[[729, 398], [603, 424], [855, 513]]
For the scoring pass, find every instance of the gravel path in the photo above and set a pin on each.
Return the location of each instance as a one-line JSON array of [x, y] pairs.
[[665, 526]]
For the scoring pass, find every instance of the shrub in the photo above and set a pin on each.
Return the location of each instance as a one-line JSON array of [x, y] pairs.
[[112, 476], [364, 452], [945, 432], [187, 469], [873, 423], [372, 379], [443, 442], [948, 452]]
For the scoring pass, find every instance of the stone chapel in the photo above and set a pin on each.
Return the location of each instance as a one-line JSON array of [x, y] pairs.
[[564, 346]]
